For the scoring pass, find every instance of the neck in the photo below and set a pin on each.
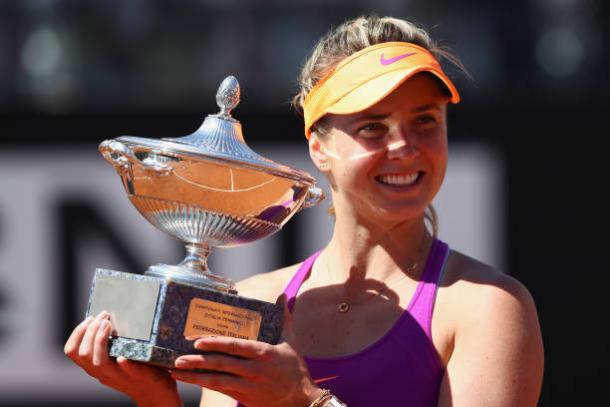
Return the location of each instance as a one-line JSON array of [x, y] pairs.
[[361, 250]]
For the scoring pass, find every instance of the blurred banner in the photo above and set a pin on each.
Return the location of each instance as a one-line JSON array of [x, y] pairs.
[[524, 190]]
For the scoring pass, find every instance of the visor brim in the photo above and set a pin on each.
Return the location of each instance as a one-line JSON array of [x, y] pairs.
[[373, 91]]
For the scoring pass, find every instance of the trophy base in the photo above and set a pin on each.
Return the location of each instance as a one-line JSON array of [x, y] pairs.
[[155, 319], [142, 351]]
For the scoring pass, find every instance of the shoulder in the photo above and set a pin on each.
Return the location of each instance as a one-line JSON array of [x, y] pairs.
[[474, 298], [479, 289], [490, 322], [267, 286], [484, 308]]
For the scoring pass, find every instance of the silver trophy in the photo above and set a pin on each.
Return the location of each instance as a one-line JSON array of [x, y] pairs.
[[207, 189]]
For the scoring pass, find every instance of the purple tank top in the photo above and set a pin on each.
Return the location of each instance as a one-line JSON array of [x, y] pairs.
[[402, 368]]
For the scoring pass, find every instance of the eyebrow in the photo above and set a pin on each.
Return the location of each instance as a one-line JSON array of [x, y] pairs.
[[381, 116], [376, 116], [423, 108], [369, 117]]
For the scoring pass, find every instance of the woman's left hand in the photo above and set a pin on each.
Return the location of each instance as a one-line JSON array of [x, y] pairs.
[[254, 373]]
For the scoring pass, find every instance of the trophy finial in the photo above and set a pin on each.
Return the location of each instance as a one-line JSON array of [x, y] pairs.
[[227, 97]]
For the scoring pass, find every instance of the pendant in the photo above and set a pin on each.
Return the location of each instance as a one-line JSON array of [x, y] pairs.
[[343, 307]]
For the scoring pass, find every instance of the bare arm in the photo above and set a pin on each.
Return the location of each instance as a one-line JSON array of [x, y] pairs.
[[498, 358]]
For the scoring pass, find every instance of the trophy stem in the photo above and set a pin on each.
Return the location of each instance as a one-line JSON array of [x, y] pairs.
[[194, 270], [196, 258]]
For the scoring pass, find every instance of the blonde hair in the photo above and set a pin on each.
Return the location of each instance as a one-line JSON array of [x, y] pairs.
[[353, 36]]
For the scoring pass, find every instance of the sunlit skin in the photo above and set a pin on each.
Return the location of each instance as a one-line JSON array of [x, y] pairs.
[[484, 327]]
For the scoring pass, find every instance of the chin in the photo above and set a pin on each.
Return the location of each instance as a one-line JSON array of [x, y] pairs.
[[395, 214]]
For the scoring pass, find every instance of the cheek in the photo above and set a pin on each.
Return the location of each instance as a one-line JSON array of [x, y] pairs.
[[435, 146], [441, 154], [354, 158], [350, 152], [437, 153], [352, 172]]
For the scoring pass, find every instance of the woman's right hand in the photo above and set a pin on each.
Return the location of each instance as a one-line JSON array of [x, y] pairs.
[[146, 385]]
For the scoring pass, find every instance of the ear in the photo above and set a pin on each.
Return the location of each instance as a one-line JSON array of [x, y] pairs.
[[317, 152]]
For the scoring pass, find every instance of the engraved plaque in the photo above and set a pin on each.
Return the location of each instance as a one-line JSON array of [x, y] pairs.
[[211, 318]]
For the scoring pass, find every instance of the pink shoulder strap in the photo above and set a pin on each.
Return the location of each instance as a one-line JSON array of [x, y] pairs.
[[422, 303], [292, 289]]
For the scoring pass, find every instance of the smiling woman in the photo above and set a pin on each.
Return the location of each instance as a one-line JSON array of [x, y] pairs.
[[398, 145], [386, 314]]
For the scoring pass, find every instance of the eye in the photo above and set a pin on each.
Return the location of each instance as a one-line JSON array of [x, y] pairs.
[[426, 119], [426, 123], [372, 130]]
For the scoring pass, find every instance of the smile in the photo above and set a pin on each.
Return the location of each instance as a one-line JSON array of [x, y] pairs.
[[398, 180]]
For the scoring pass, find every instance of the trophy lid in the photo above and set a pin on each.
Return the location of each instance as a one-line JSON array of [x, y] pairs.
[[219, 138]]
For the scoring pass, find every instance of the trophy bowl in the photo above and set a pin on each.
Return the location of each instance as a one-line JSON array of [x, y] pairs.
[[207, 189]]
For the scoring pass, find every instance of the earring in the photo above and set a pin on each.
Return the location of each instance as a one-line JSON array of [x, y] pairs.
[[324, 166]]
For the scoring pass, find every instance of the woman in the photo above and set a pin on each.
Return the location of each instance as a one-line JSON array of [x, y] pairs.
[[386, 313]]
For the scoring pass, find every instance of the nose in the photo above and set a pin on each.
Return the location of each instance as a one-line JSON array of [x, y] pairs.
[[400, 146]]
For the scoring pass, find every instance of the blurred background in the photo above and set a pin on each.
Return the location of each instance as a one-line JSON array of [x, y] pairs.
[[523, 191]]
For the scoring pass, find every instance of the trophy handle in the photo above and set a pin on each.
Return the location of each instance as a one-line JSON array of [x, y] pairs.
[[314, 196], [122, 158]]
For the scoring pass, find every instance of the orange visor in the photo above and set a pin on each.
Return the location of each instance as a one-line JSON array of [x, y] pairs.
[[366, 77]]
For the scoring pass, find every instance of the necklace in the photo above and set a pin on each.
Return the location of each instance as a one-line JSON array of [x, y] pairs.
[[345, 306], [421, 255]]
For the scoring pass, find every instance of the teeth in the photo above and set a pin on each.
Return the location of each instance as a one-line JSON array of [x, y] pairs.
[[398, 180]]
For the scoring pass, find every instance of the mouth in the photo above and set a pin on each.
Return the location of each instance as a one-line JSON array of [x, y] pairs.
[[399, 180]]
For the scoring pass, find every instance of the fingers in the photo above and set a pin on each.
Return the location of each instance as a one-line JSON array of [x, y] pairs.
[[136, 370], [224, 383], [73, 342], [232, 346], [217, 362], [86, 346], [100, 344]]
